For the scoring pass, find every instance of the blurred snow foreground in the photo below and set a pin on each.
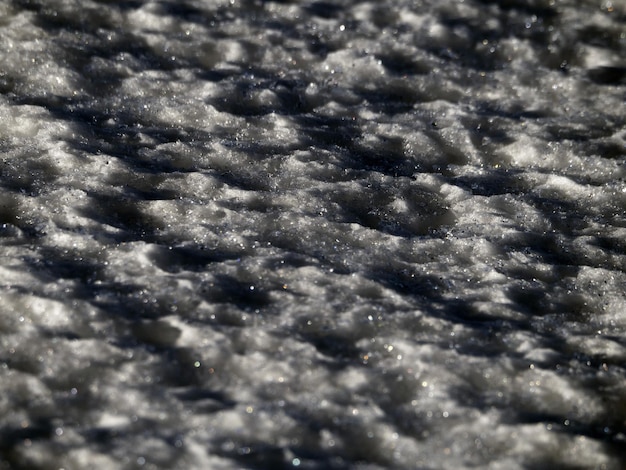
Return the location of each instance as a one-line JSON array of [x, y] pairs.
[[323, 235]]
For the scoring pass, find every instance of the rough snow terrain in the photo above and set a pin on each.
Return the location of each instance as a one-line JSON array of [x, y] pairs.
[[307, 234]]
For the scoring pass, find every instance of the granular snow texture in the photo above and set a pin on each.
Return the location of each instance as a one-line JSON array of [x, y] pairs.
[[306, 234]]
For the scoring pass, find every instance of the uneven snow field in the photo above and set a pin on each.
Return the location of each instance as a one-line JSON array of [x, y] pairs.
[[305, 234]]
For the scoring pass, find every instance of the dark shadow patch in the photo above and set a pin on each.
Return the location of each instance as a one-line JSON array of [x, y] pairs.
[[372, 206], [324, 10], [9, 210], [189, 258], [38, 429], [246, 181], [254, 455], [334, 346], [327, 131], [596, 127], [155, 333], [124, 213], [240, 94], [566, 217], [127, 304], [495, 183], [292, 96], [397, 97], [614, 245], [610, 150], [27, 173], [548, 248], [8, 83], [385, 155], [182, 11], [229, 290], [53, 19], [195, 394], [540, 300], [488, 131], [608, 75], [63, 264], [242, 98], [260, 204], [463, 42], [176, 368], [493, 116], [406, 282], [402, 64]]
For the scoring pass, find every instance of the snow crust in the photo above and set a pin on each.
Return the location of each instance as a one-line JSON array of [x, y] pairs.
[[307, 234]]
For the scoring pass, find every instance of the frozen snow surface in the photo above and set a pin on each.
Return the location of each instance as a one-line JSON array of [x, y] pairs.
[[312, 234]]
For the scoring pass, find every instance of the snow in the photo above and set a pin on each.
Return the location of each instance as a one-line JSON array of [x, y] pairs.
[[274, 234]]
